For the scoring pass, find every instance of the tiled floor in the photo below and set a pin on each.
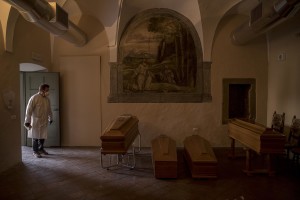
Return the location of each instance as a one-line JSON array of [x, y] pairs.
[[76, 173]]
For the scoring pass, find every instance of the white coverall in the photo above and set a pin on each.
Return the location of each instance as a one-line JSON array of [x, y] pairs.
[[38, 113]]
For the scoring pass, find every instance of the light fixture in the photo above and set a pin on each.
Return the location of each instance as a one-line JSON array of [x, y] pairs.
[[8, 98]]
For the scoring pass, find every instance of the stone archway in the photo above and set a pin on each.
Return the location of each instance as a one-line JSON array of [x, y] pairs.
[[160, 60]]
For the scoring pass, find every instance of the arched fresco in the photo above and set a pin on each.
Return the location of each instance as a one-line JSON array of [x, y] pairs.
[[159, 60]]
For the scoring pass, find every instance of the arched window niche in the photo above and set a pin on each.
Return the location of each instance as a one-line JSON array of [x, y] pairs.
[[160, 60]]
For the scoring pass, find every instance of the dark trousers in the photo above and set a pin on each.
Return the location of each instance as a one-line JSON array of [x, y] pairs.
[[37, 144]]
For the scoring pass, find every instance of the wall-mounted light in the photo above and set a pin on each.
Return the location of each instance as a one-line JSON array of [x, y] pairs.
[[8, 98], [281, 56]]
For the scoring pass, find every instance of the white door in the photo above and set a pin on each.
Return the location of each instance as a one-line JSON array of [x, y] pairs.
[[32, 82]]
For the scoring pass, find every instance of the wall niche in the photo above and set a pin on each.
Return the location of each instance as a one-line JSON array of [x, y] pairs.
[[160, 60]]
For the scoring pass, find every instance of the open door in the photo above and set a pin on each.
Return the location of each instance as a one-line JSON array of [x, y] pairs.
[[32, 81]]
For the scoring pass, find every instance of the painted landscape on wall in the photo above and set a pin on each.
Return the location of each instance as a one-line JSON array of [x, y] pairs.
[[158, 55]]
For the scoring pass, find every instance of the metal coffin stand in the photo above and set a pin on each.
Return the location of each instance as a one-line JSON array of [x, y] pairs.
[[117, 140]]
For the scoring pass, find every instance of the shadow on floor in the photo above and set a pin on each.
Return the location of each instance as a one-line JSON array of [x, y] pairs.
[[76, 173]]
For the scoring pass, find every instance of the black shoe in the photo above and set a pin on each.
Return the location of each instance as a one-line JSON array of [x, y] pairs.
[[43, 152]]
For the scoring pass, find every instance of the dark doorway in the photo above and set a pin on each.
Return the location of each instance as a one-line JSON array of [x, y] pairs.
[[239, 98], [239, 101]]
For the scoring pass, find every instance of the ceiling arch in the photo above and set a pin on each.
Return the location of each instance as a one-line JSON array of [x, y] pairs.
[[31, 67], [10, 29]]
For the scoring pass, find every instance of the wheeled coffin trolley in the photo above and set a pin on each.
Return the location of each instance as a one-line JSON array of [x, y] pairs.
[[164, 157], [200, 157], [117, 139]]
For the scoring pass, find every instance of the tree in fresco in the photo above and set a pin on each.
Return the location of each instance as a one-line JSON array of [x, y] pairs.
[[176, 48]]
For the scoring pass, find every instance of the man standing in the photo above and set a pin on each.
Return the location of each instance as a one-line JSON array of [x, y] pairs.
[[38, 113]]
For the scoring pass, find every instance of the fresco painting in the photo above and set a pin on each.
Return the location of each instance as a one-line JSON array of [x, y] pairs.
[[158, 55]]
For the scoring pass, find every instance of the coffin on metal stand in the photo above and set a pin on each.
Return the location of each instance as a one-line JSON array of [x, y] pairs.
[[117, 139]]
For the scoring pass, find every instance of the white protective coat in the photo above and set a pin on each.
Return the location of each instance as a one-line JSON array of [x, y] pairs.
[[38, 113]]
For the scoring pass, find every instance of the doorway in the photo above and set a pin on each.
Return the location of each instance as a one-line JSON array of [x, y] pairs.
[[239, 99], [31, 76], [23, 68], [238, 105]]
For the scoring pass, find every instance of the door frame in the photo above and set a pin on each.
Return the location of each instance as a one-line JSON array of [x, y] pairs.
[[23, 68], [252, 96]]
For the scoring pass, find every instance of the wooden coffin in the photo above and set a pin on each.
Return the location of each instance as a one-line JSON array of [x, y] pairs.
[[200, 157], [119, 135], [164, 157], [256, 136]]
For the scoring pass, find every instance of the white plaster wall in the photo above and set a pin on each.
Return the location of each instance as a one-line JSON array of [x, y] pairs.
[[230, 61], [10, 136], [89, 129], [176, 120], [284, 81], [26, 39], [29, 39], [211, 14], [80, 111]]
